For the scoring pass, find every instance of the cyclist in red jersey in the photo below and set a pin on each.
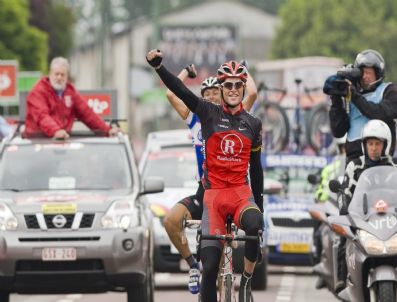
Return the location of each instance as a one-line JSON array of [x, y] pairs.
[[232, 141]]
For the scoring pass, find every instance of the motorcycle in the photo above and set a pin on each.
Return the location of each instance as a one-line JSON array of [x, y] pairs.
[[371, 231]]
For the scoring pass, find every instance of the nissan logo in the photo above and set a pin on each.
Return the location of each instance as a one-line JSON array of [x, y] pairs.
[[59, 221]]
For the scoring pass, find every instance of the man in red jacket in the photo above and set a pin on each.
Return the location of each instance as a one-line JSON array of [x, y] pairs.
[[54, 104]]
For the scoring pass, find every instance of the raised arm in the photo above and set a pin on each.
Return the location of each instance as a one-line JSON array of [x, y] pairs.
[[252, 93], [154, 58], [179, 106]]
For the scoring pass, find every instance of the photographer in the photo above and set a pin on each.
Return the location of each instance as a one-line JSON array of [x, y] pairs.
[[358, 94]]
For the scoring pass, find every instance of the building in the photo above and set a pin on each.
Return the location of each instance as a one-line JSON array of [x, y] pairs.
[[205, 34]]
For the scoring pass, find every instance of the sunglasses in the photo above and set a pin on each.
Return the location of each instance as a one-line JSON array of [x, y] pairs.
[[231, 85]]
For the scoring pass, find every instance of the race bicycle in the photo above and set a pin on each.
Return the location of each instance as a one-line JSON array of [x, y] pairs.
[[227, 278], [292, 127]]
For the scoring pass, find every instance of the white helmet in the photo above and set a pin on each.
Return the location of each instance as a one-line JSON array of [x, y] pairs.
[[376, 129], [210, 82]]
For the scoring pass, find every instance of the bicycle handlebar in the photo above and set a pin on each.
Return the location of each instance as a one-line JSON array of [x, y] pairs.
[[229, 237]]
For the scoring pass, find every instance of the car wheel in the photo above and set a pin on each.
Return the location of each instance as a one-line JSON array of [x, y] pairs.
[[4, 297], [259, 279], [145, 291]]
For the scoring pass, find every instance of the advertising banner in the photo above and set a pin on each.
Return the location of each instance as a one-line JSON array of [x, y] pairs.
[[8, 81], [206, 46]]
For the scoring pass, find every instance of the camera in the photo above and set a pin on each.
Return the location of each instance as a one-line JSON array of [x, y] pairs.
[[353, 74], [346, 76]]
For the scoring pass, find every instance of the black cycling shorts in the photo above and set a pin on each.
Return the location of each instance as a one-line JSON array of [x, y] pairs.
[[194, 203]]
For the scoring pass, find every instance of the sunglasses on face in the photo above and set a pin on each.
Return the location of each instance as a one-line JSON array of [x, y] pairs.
[[231, 85]]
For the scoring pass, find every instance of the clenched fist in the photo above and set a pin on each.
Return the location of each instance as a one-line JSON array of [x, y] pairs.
[[154, 58]]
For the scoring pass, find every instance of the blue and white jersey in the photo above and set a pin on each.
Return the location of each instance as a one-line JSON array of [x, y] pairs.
[[194, 125]]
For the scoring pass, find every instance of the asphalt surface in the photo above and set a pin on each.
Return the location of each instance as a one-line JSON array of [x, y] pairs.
[[286, 284]]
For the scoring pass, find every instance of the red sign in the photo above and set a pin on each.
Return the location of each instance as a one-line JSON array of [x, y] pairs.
[[101, 103], [8, 80], [381, 206]]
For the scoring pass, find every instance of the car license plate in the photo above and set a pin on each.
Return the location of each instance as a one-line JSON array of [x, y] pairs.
[[298, 248], [59, 254]]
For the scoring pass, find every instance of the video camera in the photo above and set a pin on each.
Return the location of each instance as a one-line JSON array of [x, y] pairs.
[[347, 75], [353, 74]]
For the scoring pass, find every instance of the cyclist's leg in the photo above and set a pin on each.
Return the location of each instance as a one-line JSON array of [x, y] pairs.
[[251, 223], [173, 225], [211, 250], [250, 219], [190, 207], [210, 257]]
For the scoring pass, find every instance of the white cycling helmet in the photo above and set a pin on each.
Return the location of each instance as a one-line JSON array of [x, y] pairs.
[[210, 82], [376, 129]]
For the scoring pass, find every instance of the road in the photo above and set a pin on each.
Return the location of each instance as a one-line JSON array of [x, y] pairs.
[[286, 284]]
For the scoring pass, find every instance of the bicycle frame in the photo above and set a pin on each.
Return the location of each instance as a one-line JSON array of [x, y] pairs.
[[226, 288]]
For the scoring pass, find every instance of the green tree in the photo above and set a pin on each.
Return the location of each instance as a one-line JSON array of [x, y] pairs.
[[18, 40], [339, 28], [57, 20]]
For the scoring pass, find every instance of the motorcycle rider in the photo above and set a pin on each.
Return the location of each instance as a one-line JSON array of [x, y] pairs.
[[376, 142], [371, 98]]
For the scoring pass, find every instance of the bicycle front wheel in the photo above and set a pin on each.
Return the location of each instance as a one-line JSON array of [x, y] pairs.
[[227, 289], [275, 126]]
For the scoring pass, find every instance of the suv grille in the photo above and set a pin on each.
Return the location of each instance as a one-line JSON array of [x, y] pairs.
[[31, 222], [78, 265], [50, 224], [86, 221], [291, 223]]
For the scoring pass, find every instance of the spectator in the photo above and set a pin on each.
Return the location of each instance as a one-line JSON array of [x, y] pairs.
[[54, 103]]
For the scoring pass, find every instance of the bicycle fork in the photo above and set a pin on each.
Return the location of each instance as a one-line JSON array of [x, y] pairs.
[[227, 286]]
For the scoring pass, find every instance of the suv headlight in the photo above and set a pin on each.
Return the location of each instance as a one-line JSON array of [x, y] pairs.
[[121, 215], [375, 246], [8, 222]]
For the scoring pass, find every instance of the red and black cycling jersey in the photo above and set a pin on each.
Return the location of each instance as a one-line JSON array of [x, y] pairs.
[[231, 141], [228, 141]]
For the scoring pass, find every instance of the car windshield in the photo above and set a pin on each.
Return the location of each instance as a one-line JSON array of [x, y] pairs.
[[70, 166], [177, 167], [377, 184], [294, 179]]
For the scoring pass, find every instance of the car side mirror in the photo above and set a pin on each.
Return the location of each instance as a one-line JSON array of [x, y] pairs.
[[153, 185], [313, 179], [335, 186]]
